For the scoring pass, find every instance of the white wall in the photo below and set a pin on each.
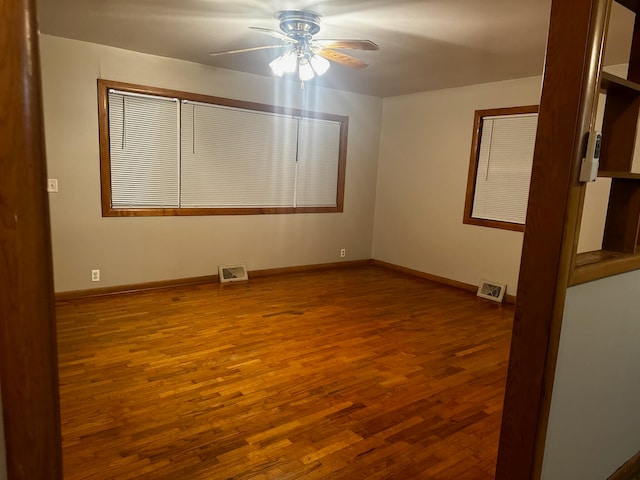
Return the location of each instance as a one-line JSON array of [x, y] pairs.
[[425, 147], [133, 250], [594, 426]]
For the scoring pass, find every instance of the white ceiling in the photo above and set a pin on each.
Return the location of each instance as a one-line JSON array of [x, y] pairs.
[[424, 45]]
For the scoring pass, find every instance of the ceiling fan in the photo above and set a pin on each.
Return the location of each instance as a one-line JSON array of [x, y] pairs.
[[304, 54]]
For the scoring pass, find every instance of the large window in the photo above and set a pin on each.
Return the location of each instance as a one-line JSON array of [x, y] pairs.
[[500, 167], [173, 153]]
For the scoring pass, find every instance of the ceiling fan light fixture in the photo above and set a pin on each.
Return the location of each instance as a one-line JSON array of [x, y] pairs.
[[320, 65], [305, 70], [277, 66], [285, 63], [304, 54]]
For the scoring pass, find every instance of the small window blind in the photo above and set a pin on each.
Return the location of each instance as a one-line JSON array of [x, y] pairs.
[[504, 167], [143, 147], [237, 158]]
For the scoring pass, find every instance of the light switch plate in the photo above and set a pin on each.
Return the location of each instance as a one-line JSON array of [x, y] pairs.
[[52, 185]]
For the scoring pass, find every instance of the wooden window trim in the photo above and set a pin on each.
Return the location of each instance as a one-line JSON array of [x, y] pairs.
[[473, 167], [105, 164]]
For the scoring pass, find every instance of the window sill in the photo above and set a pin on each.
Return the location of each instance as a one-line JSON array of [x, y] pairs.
[[516, 227], [159, 212]]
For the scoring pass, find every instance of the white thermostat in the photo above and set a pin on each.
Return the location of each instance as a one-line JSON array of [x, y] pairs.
[[591, 162]]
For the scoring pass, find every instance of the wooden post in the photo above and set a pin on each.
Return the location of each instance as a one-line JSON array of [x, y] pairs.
[[28, 362], [567, 106]]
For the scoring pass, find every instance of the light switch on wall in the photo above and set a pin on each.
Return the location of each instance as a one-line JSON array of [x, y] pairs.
[[52, 185]]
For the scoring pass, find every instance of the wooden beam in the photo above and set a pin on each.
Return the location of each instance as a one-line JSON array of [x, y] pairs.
[[28, 362], [570, 88]]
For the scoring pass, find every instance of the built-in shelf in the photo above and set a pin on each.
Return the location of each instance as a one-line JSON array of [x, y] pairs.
[[633, 5], [628, 175], [602, 263], [620, 248], [609, 82], [619, 123]]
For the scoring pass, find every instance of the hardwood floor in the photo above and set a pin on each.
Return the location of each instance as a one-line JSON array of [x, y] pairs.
[[342, 374]]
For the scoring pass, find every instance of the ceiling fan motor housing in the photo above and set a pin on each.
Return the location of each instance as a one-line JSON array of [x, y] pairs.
[[298, 23]]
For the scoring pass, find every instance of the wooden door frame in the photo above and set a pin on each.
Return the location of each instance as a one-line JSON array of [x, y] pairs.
[[28, 360], [567, 112]]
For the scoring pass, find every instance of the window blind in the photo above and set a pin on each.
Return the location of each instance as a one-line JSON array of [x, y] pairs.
[[186, 155], [318, 151], [237, 158], [143, 147], [504, 168]]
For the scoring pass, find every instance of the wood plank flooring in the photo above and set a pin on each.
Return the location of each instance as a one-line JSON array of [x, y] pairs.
[[358, 373]]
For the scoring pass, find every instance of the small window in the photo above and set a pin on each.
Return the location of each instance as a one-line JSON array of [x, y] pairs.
[[500, 167], [173, 153]]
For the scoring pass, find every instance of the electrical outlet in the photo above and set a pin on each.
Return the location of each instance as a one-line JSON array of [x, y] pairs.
[[52, 185], [95, 275], [343, 252]]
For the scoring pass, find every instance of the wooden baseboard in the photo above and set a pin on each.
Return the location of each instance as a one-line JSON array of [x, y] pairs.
[[135, 287], [178, 282], [309, 268], [141, 287], [628, 469], [511, 299]]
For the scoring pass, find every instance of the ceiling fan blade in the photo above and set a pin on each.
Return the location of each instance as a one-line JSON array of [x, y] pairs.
[[274, 33], [252, 49], [342, 58], [347, 44]]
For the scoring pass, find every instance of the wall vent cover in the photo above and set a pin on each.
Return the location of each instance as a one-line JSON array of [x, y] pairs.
[[492, 290], [232, 273]]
